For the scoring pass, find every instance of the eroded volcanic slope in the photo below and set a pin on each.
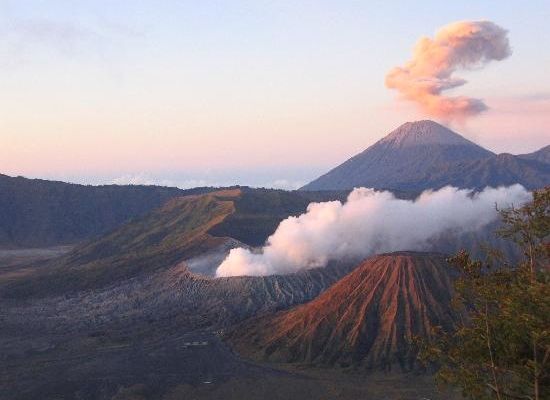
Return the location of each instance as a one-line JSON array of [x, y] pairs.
[[366, 320]]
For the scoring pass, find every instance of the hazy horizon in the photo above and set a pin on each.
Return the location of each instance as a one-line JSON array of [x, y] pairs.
[[253, 93]]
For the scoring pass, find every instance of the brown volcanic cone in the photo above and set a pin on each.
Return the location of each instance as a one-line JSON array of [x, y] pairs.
[[366, 319]]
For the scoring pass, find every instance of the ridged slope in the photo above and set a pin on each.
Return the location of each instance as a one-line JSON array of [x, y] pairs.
[[501, 170], [541, 155], [425, 155], [412, 149], [367, 319]]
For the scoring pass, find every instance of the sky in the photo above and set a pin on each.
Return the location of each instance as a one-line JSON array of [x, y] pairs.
[[261, 93]]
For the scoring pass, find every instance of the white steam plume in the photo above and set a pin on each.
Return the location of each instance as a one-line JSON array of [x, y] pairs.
[[369, 222]]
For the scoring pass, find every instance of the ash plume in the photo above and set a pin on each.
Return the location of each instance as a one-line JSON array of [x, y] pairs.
[[429, 73], [369, 222]]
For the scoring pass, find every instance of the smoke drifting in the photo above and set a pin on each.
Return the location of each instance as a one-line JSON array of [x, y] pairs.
[[466, 45], [369, 222]]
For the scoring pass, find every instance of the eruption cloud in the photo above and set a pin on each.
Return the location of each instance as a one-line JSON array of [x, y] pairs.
[[369, 222], [460, 45]]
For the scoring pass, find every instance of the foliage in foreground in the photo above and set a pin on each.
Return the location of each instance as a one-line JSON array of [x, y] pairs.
[[500, 348]]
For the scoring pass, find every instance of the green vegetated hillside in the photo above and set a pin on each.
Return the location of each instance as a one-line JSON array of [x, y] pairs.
[[40, 213]]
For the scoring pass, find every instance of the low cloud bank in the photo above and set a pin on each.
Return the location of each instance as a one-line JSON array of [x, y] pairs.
[[369, 222]]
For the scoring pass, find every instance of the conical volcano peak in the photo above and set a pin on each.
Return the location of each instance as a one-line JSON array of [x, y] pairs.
[[425, 132], [367, 319], [424, 155]]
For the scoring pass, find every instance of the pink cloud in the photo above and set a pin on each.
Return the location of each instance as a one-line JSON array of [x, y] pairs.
[[429, 73]]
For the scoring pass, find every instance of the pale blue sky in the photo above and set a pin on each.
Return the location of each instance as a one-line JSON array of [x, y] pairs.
[[252, 92]]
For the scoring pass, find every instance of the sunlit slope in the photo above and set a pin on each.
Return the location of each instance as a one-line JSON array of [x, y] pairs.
[[177, 229], [367, 319]]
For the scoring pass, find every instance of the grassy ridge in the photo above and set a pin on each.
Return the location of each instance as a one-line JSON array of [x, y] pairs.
[[167, 235]]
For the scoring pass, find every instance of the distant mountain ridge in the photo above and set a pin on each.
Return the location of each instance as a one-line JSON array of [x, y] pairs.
[[426, 155], [542, 155], [40, 213]]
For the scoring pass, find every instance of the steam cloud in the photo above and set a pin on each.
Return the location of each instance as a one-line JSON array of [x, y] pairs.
[[466, 45], [369, 222]]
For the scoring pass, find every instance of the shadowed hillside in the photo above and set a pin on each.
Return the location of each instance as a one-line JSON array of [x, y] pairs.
[[259, 211], [500, 170], [366, 320], [426, 155], [162, 238], [183, 228], [542, 155], [40, 213]]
